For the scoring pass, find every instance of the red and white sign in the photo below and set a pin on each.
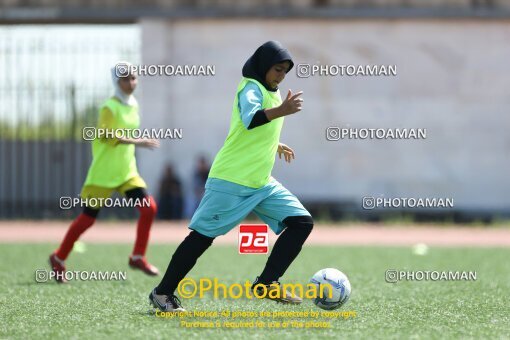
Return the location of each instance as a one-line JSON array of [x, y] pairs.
[[253, 239]]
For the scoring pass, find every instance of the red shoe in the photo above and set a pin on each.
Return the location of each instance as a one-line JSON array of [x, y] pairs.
[[140, 262], [58, 268]]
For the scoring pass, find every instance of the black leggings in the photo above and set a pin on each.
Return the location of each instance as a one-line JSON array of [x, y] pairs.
[[285, 250]]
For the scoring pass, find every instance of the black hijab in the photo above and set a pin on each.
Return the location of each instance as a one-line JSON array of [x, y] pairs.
[[267, 55]]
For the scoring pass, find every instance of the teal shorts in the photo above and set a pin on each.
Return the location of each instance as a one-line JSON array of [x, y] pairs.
[[225, 204]]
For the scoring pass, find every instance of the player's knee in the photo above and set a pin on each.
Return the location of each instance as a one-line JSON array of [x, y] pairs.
[[304, 223], [204, 240], [91, 212]]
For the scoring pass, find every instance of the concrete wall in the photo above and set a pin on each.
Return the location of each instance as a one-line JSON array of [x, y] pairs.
[[453, 79]]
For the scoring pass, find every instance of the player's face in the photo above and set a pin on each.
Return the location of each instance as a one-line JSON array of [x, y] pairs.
[[276, 74], [128, 84]]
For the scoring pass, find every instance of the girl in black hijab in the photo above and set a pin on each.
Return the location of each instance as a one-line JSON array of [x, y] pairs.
[[240, 182], [265, 57]]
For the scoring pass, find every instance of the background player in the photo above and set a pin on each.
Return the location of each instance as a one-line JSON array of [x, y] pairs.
[[114, 168]]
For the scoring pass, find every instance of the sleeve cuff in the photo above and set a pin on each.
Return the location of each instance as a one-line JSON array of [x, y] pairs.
[[259, 118]]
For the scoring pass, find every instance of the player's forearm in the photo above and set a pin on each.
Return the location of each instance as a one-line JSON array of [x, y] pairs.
[[140, 142], [275, 112], [134, 141]]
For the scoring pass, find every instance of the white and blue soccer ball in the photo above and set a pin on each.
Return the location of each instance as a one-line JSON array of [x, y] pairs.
[[335, 279]]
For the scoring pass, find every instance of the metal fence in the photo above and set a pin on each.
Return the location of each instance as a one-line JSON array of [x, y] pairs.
[[52, 81]]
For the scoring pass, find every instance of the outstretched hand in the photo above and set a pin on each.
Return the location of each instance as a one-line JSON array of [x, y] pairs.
[[292, 103]]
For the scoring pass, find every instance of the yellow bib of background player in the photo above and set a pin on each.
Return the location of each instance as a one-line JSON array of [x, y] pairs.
[[112, 163], [247, 156]]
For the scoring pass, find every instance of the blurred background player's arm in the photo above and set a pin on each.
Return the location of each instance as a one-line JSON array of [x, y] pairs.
[[106, 122], [143, 142]]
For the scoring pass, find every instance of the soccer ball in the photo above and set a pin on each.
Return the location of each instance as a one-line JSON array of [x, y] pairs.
[[341, 288]]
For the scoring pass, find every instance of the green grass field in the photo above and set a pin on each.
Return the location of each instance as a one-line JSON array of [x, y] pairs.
[[100, 310]]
